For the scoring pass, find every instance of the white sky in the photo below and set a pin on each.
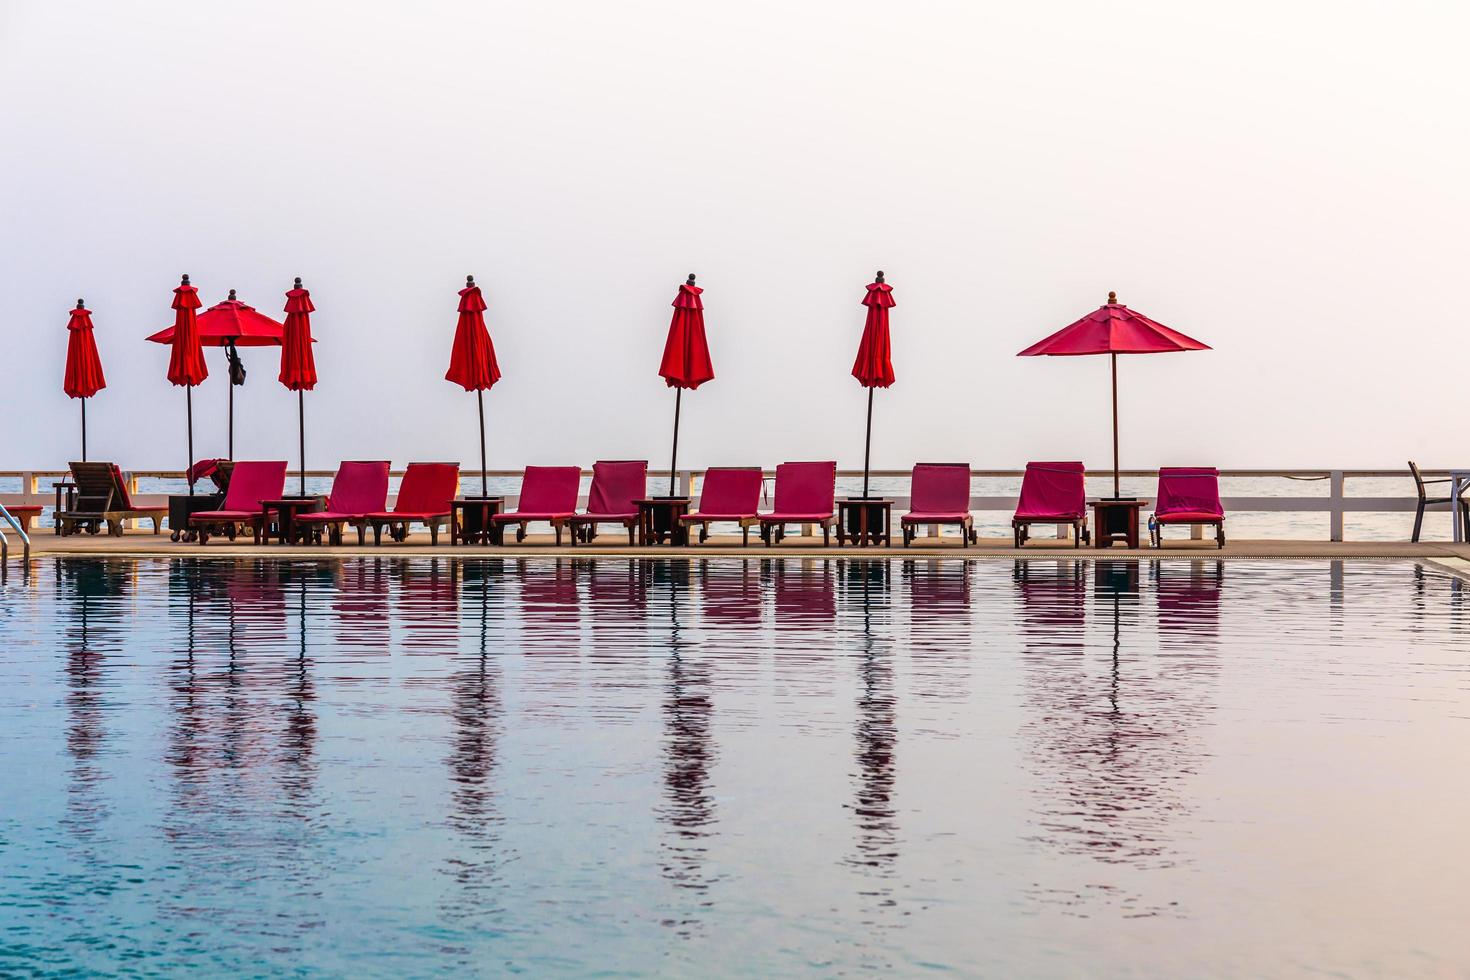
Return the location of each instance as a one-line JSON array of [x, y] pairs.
[[1284, 181]]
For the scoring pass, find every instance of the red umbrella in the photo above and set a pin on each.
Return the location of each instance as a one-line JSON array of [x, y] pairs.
[[298, 367], [472, 363], [1113, 329], [83, 366], [874, 365], [186, 365], [686, 362], [229, 325]]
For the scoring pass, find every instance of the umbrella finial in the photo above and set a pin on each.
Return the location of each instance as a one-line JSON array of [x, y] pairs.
[[1112, 298], [232, 295], [298, 282], [469, 281], [184, 280], [880, 275], [690, 280], [81, 305]]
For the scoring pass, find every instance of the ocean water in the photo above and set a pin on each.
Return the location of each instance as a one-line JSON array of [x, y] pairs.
[[390, 767]]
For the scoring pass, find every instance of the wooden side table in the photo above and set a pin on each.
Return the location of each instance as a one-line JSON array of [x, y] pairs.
[[471, 520], [286, 509], [864, 521], [658, 519], [1116, 519]]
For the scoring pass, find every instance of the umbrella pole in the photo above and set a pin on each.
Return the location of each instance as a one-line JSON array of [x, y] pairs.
[[1116, 493], [231, 443], [674, 461], [484, 478], [301, 429], [84, 430], [189, 411], [868, 444]]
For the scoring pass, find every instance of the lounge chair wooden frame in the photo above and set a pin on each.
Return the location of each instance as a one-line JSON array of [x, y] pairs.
[[1021, 528], [100, 500]]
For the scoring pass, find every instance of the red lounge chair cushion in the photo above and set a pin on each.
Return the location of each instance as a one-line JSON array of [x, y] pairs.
[[940, 488], [358, 488], [404, 515], [1189, 517], [729, 493], [427, 489], [1187, 491], [327, 517], [950, 517], [591, 517], [807, 518], [615, 485], [223, 516], [1052, 491], [517, 516], [804, 492], [251, 482], [700, 517], [547, 492]]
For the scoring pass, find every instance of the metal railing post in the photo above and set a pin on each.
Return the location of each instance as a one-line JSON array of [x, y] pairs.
[[1336, 481]]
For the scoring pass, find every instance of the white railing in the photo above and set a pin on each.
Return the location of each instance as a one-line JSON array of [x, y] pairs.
[[36, 489]]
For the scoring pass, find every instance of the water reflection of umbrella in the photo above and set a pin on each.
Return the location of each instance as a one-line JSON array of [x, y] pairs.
[[1113, 329], [874, 364], [876, 729], [186, 367], [472, 363], [686, 362], [298, 366], [83, 377]]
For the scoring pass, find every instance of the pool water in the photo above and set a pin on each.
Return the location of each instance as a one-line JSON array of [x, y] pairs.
[[756, 768]]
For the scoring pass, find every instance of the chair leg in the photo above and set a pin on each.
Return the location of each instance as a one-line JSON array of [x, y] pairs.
[[1220, 534], [826, 535], [557, 529], [1418, 521], [433, 533], [744, 535]]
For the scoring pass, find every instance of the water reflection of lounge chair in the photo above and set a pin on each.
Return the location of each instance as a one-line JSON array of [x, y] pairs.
[[940, 494], [1052, 493], [1189, 495]]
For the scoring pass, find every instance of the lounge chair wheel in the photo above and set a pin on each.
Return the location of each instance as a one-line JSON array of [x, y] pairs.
[[174, 536]]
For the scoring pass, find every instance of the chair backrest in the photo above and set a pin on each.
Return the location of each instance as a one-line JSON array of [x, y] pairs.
[[550, 489], [254, 481], [730, 490], [806, 488], [1189, 489], [1418, 479], [427, 488], [360, 487], [1053, 488], [221, 475], [120, 496], [615, 485], [940, 488], [96, 490]]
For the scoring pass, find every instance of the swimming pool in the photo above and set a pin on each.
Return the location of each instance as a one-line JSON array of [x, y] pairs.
[[765, 767]]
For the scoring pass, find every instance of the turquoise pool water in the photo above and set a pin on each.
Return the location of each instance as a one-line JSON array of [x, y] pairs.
[[764, 768]]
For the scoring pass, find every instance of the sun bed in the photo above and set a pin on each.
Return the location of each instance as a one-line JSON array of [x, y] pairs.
[[727, 494], [360, 488], [615, 485], [548, 493], [806, 493], [424, 497], [1189, 495], [251, 481], [939, 494], [102, 498], [1052, 493]]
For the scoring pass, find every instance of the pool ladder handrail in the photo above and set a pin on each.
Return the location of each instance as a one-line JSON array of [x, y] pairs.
[[25, 539]]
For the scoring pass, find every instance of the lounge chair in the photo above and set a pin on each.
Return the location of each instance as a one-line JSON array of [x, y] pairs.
[[806, 493], [1052, 493], [360, 488], [424, 497], [727, 494], [102, 498], [615, 485], [1424, 499], [1188, 495], [939, 494], [251, 481], [548, 493]]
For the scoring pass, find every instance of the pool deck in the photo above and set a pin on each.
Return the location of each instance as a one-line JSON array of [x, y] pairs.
[[137, 543]]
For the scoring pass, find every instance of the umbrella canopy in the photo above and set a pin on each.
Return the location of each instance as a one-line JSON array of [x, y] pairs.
[[84, 376], [874, 364], [230, 323], [472, 363], [186, 365], [1113, 329], [686, 362], [298, 367]]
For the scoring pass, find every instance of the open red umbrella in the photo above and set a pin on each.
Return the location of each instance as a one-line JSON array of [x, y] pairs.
[[472, 363], [186, 365], [874, 365], [686, 362], [1113, 329], [83, 365], [298, 367], [231, 324]]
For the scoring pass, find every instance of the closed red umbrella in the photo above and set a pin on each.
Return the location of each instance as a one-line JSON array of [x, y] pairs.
[[83, 365], [298, 367], [1113, 329], [186, 365], [231, 324], [686, 362], [472, 363], [874, 365]]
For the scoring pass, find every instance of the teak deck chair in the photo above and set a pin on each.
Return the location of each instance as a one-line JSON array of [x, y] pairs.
[[1052, 493], [727, 493], [1189, 495], [102, 498], [806, 493], [251, 482], [360, 488], [548, 493], [424, 497], [1427, 501], [615, 485], [939, 494]]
